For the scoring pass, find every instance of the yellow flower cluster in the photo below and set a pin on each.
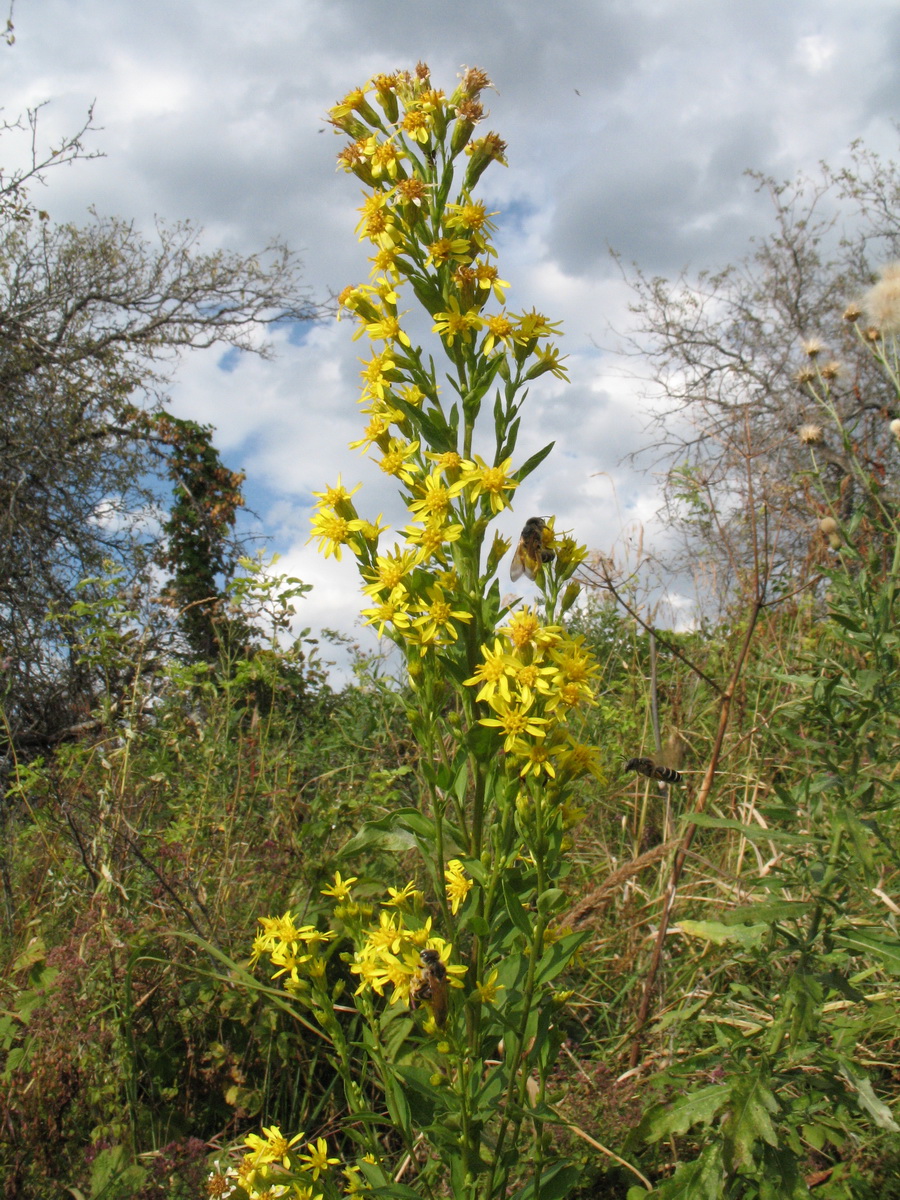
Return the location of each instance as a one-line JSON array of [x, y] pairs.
[[294, 950], [531, 678], [443, 250], [390, 954], [411, 601], [273, 1166]]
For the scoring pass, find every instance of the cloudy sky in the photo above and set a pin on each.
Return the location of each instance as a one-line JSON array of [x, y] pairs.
[[629, 125]]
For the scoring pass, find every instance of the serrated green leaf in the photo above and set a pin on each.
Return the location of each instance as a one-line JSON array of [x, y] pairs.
[[681, 1114], [702, 1179], [748, 1121], [877, 1109]]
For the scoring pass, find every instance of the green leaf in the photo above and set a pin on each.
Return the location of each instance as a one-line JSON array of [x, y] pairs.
[[887, 952], [702, 1179], [557, 956], [862, 839], [384, 834], [393, 1191], [114, 1175], [556, 1183], [753, 833], [768, 911], [533, 463], [397, 1104], [679, 1115], [748, 1121], [877, 1109], [714, 931], [551, 901], [397, 832], [519, 916]]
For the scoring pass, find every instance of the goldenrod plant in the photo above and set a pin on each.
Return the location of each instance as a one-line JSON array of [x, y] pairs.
[[455, 972]]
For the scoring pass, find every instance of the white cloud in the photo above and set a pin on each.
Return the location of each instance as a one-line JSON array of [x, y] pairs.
[[627, 126]]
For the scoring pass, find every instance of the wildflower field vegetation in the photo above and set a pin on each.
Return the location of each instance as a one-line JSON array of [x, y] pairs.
[[424, 938]]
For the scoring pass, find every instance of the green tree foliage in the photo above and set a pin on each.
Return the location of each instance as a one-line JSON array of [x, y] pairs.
[[198, 530], [93, 320]]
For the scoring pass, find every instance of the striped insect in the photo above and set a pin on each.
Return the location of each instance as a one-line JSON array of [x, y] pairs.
[[431, 986], [648, 768], [533, 550]]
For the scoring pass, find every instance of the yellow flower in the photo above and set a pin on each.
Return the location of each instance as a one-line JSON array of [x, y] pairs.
[[575, 664], [376, 219], [530, 679], [384, 156], [386, 261], [390, 571], [472, 218], [580, 759], [332, 497], [499, 329], [393, 611], [372, 530], [316, 1158], [492, 482], [413, 190], [375, 372], [537, 758], [340, 889], [280, 929], [434, 496], [471, 215], [488, 281], [432, 538], [533, 325], [454, 323], [399, 898], [411, 394], [274, 1148], [375, 432], [447, 462], [524, 629], [394, 461], [494, 673], [417, 125], [514, 722], [458, 886], [387, 329], [388, 936], [354, 102], [334, 531], [447, 250], [548, 360], [436, 618], [487, 991]]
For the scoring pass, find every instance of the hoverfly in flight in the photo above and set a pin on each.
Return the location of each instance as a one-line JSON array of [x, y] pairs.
[[648, 768]]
